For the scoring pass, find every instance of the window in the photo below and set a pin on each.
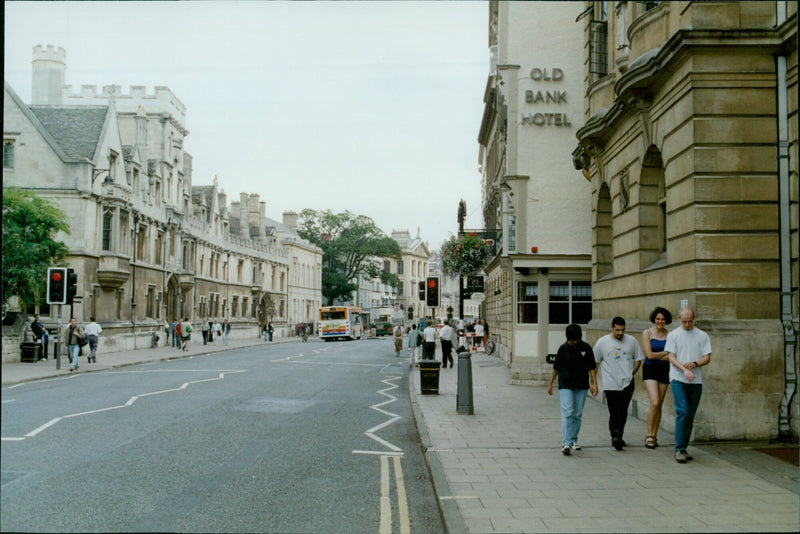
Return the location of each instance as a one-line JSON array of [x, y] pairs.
[[570, 302], [598, 47], [386, 266], [108, 221], [8, 154], [400, 267], [527, 302], [235, 307], [662, 213]]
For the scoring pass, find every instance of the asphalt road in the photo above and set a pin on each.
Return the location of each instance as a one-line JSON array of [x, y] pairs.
[[302, 437]]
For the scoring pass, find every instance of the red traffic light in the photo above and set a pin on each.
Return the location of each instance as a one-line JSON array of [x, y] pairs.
[[432, 282], [55, 276]]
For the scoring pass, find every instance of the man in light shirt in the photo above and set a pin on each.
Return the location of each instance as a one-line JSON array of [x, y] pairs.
[[93, 332], [429, 343], [446, 336], [688, 348]]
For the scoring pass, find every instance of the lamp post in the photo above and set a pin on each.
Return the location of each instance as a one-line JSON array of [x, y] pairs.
[[462, 214]]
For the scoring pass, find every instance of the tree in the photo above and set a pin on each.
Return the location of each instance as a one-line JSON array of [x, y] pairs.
[[349, 243], [29, 246]]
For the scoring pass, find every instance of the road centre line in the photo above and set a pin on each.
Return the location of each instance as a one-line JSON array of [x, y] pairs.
[[127, 403]]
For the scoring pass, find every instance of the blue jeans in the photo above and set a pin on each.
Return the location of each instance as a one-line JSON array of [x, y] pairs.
[[73, 351], [686, 398], [572, 401]]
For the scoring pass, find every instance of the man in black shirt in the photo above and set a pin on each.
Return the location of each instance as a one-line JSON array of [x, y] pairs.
[[577, 372]]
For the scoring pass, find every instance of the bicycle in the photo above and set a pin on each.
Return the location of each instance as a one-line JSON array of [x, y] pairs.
[[491, 345]]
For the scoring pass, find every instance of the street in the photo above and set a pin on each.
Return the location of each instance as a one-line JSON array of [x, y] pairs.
[[301, 437]]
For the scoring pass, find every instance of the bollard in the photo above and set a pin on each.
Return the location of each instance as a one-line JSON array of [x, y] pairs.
[[464, 396]]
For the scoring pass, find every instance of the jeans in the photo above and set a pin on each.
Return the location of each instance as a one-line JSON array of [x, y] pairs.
[[93, 346], [686, 399], [447, 352], [572, 401], [73, 351], [618, 402], [224, 338]]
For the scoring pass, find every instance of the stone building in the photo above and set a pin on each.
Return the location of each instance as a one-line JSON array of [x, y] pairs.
[[540, 279], [690, 146], [147, 245], [412, 269]]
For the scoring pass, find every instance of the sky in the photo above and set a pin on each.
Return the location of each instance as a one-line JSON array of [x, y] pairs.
[[371, 107]]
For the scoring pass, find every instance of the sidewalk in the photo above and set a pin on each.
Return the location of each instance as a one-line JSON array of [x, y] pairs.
[[501, 469]]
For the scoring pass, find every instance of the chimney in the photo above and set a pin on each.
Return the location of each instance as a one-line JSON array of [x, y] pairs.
[[49, 66], [290, 220]]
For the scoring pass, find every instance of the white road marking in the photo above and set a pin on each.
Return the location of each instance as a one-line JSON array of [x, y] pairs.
[[128, 403]]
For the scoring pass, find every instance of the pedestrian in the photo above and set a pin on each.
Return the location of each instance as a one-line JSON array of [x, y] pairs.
[[270, 330], [446, 340], [577, 372], [93, 332], [166, 333], [186, 333], [688, 349], [619, 357], [429, 342], [173, 327], [216, 332], [226, 330], [204, 329], [40, 334], [655, 371], [74, 338], [478, 339], [485, 333], [398, 339], [414, 342]]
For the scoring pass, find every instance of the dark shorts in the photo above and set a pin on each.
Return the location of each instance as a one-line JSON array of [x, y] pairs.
[[658, 371]]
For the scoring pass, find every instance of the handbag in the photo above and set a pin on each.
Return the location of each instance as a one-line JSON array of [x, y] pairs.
[[81, 342]]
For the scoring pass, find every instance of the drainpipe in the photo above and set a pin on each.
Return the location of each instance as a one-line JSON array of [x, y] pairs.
[[789, 331]]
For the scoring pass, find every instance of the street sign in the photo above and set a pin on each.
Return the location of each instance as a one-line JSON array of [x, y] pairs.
[[478, 297]]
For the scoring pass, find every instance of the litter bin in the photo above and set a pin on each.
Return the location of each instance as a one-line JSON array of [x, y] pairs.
[[31, 351], [429, 377]]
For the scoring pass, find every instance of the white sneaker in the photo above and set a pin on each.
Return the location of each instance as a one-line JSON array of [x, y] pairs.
[[575, 446], [565, 450]]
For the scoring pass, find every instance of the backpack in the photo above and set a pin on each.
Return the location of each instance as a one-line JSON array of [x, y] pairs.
[[179, 329], [419, 339]]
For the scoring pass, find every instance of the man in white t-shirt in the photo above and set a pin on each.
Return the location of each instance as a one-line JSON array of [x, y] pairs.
[[429, 342], [478, 339], [688, 348], [619, 357], [93, 331], [446, 334]]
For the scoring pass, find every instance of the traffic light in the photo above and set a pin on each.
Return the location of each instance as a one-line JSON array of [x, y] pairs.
[[72, 285], [421, 290], [432, 292], [56, 285]]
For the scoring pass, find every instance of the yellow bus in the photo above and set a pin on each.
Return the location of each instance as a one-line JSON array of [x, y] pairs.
[[340, 322]]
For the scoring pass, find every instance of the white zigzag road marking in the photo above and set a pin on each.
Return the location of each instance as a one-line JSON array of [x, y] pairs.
[[127, 403], [393, 417]]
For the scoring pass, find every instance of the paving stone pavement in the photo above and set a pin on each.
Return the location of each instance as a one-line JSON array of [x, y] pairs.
[[501, 469]]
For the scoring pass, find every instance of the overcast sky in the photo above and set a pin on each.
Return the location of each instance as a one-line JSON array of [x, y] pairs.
[[372, 107]]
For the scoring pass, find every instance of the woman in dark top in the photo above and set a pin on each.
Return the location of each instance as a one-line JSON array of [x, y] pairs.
[[655, 372], [577, 372]]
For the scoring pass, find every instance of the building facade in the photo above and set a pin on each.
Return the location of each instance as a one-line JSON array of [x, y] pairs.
[[148, 246], [540, 279], [690, 146]]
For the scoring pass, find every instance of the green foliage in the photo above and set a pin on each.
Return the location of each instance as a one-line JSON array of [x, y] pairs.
[[349, 243], [466, 255], [29, 246]]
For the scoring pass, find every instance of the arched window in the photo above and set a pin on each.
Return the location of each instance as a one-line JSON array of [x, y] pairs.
[[108, 221], [652, 209], [603, 249]]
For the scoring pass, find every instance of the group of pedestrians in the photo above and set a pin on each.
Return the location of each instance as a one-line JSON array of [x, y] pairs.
[[422, 342], [214, 331], [671, 358], [73, 336]]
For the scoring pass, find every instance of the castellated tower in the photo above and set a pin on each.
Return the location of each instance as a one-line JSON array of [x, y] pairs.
[[49, 66]]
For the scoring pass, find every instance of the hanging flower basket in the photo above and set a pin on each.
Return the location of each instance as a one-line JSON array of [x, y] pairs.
[[466, 255]]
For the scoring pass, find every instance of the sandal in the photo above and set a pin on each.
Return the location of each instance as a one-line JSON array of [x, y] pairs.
[[650, 442]]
